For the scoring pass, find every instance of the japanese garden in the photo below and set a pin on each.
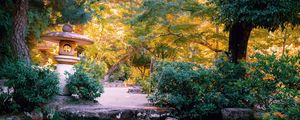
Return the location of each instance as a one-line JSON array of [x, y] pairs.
[[149, 59]]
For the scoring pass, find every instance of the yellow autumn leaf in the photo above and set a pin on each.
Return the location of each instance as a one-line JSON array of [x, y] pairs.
[[269, 77]]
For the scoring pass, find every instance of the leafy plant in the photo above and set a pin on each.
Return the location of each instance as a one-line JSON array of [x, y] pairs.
[[288, 104], [275, 84], [186, 88], [82, 84], [31, 85]]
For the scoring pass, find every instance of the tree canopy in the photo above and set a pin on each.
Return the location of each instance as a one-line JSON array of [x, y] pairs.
[[268, 14]]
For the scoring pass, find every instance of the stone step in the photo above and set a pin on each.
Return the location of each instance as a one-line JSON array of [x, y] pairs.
[[98, 112]]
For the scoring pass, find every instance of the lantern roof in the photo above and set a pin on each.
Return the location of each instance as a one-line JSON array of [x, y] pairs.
[[67, 35]]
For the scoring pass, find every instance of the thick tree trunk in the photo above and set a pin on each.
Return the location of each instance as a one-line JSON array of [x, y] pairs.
[[238, 40], [20, 48]]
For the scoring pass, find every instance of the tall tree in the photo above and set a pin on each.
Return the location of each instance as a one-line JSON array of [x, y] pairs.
[[20, 48], [242, 16]]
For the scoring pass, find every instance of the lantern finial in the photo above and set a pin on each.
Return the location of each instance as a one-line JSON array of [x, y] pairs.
[[67, 28]]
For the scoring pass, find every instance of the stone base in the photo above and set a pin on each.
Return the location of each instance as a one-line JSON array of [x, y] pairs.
[[61, 69], [237, 114]]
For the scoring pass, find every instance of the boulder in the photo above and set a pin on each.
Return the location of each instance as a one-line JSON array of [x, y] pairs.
[[135, 90], [237, 114], [11, 118]]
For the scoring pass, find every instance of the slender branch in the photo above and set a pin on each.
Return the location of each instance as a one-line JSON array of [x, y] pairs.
[[192, 36]]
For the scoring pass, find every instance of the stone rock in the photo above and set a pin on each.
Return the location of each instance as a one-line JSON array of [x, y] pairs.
[[58, 102], [237, 114], [12, 118], [170, 118], [111, 113], [135, 90], [116, 83], [3, 88]]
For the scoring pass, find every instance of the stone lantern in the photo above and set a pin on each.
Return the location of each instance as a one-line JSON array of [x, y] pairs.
[[67, 55]]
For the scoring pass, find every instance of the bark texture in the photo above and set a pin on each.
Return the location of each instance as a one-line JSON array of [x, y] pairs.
[[20, 48], [238, 41]]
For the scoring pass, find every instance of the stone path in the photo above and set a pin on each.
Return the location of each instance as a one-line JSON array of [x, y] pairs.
[[115, 104], [118, 97]]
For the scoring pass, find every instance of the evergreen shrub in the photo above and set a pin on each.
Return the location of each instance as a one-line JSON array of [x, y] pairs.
[[82, 84], [31, 86]]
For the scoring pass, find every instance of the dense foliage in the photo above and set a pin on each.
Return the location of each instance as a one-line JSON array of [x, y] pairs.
[[271, 85], [94, 68], [274, 84], [30, 86], [258, 13], [82, 84]]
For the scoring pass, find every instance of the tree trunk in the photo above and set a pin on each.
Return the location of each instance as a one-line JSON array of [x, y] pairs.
[[284, 42], [2, 43], [115, 67], [217, 42], [20, 48], [238, 40]]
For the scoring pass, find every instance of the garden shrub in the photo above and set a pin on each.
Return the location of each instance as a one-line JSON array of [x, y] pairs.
[[270, 84], [288, 104], [31, 85], [186, 88], [82, 84], [275, 84], [229, 80]]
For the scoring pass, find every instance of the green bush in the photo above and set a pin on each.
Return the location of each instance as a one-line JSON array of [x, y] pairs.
[[31, 85], [187, 88], [270, 84], [275, 84], [268, 74], [82, 84], [288, 105]]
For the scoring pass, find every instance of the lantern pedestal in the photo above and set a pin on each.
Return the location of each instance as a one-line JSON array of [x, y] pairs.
[[61, 69], [65, 65]]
